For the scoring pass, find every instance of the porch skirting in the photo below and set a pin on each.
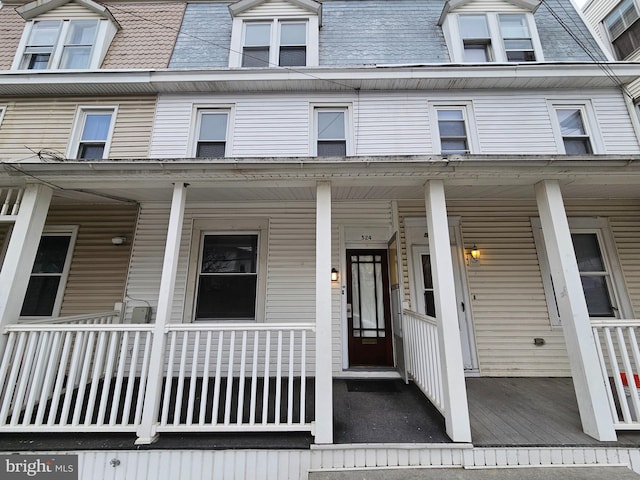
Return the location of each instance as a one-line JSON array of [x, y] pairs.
[[295, 464]]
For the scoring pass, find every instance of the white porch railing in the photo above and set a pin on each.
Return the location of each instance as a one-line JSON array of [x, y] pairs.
[[422, 355], [619, 355], [103, 318], [64, 377], [91, 377], [238, 377]]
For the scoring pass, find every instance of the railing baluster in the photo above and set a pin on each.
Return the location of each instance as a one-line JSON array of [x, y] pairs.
[[243, 359], [303, 376], [168, 385], [216, 384], [117, 388], [142, 388], [205, 380], [254, 378], [84, 376], [98, 363], [227, 399], [278, 379], [290, 383], [177, 411], [24, 377], [11, 383], [108, 376], [60, 380], [54, 363], [37, 383], [265, 383], [16, 204], [194, 378]]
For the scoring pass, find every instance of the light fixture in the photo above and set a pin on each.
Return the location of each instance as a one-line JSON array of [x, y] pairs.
[[475, 253], [334, 275], [119, 240]]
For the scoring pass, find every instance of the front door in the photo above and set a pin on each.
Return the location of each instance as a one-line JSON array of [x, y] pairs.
[[368, 309]]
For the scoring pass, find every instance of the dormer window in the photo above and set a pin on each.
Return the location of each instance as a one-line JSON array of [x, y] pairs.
[[60, 42], [289, 40], [475, 37], [623, 28]]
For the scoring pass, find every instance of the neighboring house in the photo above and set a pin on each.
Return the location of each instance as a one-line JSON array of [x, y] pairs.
[[279, 193]]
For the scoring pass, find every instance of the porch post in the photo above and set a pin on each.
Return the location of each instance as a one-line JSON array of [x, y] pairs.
[[453, 383], [21, 252], [147, 429], [585, 369], [323, 426]]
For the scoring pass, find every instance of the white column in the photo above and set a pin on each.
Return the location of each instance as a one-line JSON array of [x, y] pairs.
[[21, 252], [585, 369], [454, 388], [323, 427], [147, 430]]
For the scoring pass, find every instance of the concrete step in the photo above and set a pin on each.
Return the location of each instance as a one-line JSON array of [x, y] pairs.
[[459, 473]]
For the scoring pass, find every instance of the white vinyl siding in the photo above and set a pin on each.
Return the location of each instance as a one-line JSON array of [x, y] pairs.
[[484, 6], [274, 8], [506, 290], [69, 10], [273, 126]]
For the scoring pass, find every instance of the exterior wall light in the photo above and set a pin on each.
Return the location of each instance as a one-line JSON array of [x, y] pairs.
[[475, 253], [334, 275], [119, 240]]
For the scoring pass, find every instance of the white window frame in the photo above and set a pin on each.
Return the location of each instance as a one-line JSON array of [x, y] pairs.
[[348, 125], [198, 110], [238, 32], [607, 31], [589, 121], [59, 230], [497, 53], [78, 128], [614, 276], [104, 34], [3, 110], [227, 226], [473, 142]]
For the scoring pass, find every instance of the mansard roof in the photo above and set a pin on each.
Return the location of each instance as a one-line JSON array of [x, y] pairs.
[[38, 7]]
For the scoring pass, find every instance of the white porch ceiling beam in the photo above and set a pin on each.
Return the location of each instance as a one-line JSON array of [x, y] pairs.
[[583, 358], [454, 389]]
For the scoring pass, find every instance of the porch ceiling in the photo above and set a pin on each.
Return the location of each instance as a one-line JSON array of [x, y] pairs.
[[359, 178]]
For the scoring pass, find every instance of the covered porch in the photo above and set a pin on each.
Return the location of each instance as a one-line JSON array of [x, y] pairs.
[[174, 376]]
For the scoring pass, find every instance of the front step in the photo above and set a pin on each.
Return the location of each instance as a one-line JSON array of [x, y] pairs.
[[458, 473]]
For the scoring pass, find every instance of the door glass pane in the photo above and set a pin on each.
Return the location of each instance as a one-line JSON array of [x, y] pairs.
[[368, 304], [427, 282], [596, 293], [379, 299], [355, 294], [588, 252]]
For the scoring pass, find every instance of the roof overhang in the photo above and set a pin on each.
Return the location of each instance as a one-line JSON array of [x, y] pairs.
[[38, 7], [451, 5], [569, 75]]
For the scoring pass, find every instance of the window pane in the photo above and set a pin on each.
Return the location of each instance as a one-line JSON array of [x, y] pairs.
[[96, 126], [51, 254], [76, 57], [452, 129], [514, 26], [41, 296], [521, 56], [450, 115], [429, 303], [210, 150], [44, 33], [336, 148], [38, 61], [597, 296], [91, 150], [628, 42], [229, 254], [520, 44], [476, 53], [473, 26], [577, 146], [255, 57], [426, 271], [588, 252], [571, 121], [452, 146], [226, 297], [621, 18], [82, 32], [330, 125], [257, 34], [213, 126], [293, 56], [293, 34]]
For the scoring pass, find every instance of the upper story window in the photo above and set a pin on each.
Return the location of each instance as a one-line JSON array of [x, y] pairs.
[[454, 129], [274, 43], [59, 42], [492, 37], [623, 28], [331, 131], [575, 128], [212, 126], [263, 36], [92, 135]]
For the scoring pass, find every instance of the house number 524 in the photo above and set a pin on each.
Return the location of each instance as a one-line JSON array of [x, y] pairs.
[[366, 237]]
